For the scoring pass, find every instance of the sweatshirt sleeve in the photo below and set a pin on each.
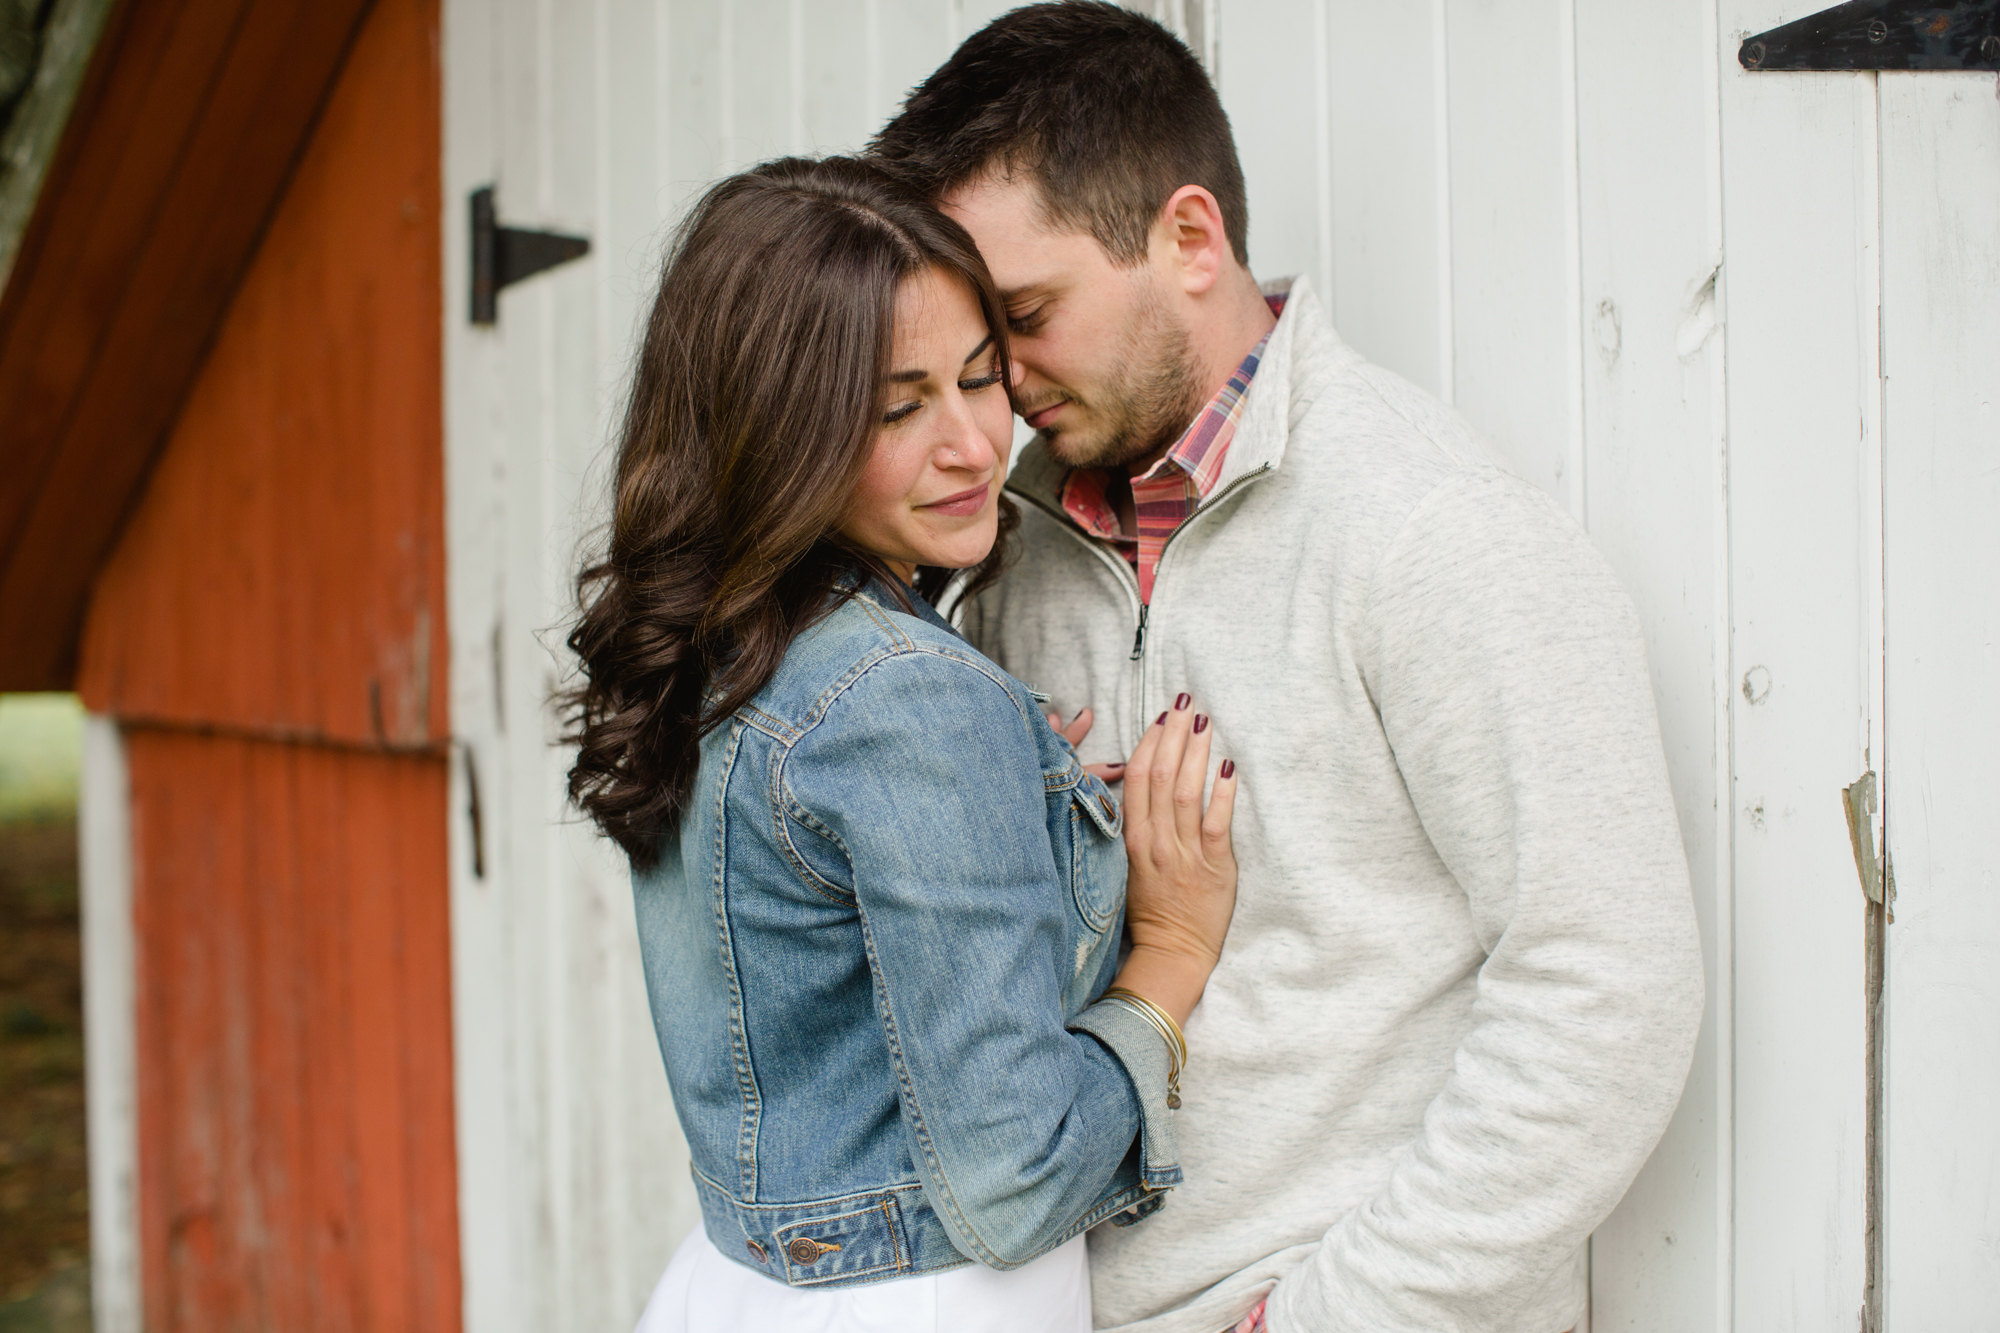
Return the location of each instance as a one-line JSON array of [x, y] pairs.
[[1507, 667]]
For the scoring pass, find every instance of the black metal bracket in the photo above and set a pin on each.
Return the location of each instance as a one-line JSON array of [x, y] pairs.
[[1883, 34], [502, 256]]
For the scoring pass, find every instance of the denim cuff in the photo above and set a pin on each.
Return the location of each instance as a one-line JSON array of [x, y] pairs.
[[1138, 1046]]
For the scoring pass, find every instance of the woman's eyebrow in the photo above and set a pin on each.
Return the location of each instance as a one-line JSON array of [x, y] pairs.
[[912, 376]]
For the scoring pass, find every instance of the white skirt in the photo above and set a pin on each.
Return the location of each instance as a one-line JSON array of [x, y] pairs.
[[702, 1292]]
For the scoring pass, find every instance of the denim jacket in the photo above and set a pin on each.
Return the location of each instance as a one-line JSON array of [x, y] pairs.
[[872, 952]]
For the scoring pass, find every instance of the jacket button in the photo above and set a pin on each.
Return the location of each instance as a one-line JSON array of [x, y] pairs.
[[803, 1251], [758, 1252], [1110, 806]]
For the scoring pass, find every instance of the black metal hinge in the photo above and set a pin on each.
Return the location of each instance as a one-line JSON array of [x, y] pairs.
[[1883, 34], [502, 256]]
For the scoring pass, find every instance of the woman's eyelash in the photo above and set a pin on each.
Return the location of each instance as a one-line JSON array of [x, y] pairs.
[[898, 412], [983, 382]]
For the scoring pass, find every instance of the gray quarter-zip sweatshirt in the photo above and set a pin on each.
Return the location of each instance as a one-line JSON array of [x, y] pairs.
[[1460, 992]]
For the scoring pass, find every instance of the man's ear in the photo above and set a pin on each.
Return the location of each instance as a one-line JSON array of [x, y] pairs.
[[1196, 241]]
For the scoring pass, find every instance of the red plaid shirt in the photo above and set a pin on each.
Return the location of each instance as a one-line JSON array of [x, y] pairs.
[[1174, 487]]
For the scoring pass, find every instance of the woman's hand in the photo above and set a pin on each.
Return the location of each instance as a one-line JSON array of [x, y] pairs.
[[1180, 888], [1078, 728]]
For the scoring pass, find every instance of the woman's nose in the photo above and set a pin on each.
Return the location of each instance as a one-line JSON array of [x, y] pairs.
[[965, 445]]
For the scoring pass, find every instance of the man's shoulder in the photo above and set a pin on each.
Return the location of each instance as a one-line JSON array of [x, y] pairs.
[[1373, 429]]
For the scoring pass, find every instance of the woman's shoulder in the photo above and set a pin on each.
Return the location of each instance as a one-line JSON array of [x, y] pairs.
[[898, 661]]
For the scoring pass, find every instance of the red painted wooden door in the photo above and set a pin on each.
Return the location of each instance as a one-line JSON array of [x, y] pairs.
[[269, 632]]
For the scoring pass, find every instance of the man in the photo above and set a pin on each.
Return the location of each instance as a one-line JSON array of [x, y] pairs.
[[1459, 997]]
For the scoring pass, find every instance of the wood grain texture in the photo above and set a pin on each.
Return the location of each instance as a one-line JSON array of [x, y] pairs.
[[1940, 148], [189, 126], [1798, 215], [294, 1035], [1648, 158], [283, 575]]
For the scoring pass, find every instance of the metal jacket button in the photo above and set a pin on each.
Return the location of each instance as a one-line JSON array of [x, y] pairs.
[[757, 1251], [803, 1251]]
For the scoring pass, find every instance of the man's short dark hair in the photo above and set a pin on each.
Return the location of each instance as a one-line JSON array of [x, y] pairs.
[[1105, 110]]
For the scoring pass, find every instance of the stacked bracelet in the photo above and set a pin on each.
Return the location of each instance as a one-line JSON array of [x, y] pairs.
[[1170, 1032]]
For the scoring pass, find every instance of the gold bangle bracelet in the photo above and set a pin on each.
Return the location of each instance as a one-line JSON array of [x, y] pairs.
[[1161, 1018], [1163, 1023]]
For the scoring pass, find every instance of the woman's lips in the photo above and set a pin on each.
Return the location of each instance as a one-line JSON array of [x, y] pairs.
[[1041, 417], [963, 505]]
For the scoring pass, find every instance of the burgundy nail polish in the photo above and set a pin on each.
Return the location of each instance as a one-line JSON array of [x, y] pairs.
[[1183, 701], [1200, 723], [1160, 721], [1229, 768]]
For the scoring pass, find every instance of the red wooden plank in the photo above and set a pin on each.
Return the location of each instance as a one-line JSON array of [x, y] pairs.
[[284, 574], [296, 1133], [96, 354], [150, 77]]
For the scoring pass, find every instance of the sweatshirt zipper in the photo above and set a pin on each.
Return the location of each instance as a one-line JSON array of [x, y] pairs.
[[1139, 639], [1124, 570]]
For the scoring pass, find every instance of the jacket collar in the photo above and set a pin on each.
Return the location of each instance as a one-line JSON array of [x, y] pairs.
[[1268, 406], [881, 594]]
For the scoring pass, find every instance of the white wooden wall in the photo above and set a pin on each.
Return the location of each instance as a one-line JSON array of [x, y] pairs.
[[1526, 208]]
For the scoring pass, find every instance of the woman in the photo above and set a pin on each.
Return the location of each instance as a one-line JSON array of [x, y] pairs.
[[879, 899]]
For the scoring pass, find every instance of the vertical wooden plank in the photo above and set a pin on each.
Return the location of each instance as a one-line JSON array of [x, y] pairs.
[[1272, 78], [608, 116], [1650, 230], [1798, 221], [1940, 144], [838, 102], [104, 817], [696, 88], [761, 55], [912, 38], [293, 1033], [1516, 310], [494, 1177], [320, 619], [1387, 141]]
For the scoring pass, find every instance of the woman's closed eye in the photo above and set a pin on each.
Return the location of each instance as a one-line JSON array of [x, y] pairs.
[[986, 381]]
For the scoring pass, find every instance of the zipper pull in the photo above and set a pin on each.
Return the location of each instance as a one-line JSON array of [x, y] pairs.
[[1139, 639]]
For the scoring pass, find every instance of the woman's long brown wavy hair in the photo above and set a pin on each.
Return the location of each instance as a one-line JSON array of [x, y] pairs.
[[756, 396]]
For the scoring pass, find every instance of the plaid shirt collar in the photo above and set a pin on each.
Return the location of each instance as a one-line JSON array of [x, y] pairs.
[[1175, 486]]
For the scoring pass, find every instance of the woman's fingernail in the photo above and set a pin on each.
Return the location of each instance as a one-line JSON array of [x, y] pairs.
[[1160, 721], [1229, 768], [1200, 723], [1119, 765], [1183, 701]]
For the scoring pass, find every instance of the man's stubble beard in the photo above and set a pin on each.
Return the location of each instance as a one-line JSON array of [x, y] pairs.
[[1149, 407]]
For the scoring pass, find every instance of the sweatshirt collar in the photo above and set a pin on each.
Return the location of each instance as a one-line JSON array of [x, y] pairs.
[[1261, 430]]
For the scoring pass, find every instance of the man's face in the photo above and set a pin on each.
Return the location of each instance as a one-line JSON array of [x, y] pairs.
[[1102, 364]]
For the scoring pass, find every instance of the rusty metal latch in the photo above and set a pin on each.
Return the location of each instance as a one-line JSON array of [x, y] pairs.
[[1877, 880], [1882, 34]]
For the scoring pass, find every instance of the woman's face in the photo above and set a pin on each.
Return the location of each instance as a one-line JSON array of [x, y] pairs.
[[930, 494]]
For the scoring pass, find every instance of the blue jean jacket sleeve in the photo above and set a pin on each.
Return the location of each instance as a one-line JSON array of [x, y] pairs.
[[925, 773]]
